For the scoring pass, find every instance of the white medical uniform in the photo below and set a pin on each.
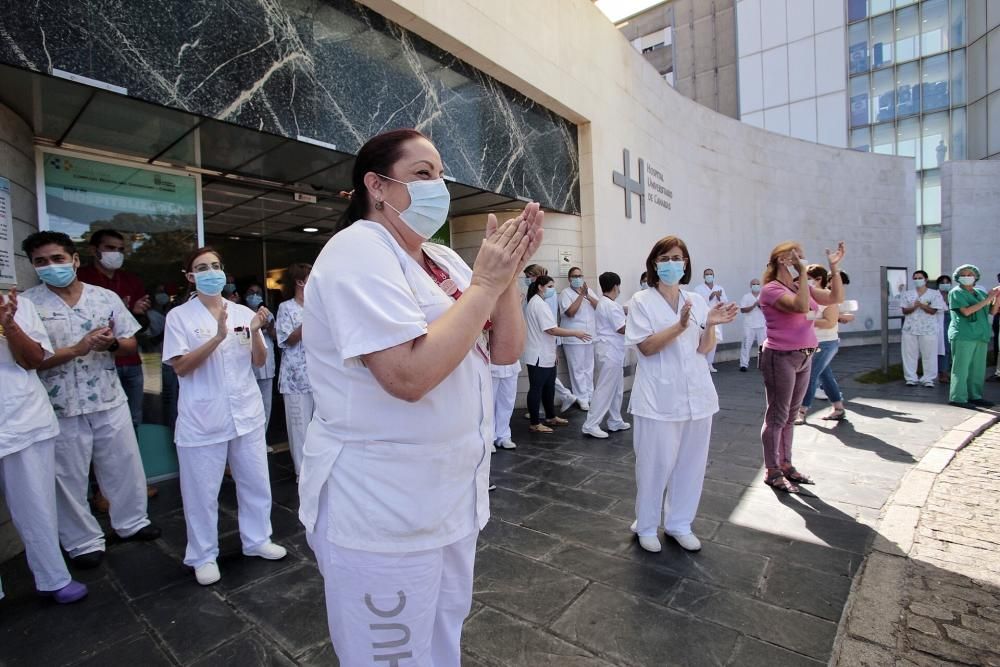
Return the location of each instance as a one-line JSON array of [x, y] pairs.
[[220, 417], [919, 339], [609, 353], [393, 493], [563, 395], [673, 400], [579, 354], [504, 394], [95, 424], [265, 376], [705, 291], [293, 381], [28, 428], [754, 328]]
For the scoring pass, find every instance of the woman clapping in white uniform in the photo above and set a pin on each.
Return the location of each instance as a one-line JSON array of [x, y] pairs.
[[673, 398], [213, 345]]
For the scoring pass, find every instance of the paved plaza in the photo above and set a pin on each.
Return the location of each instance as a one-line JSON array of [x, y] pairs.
[[560, 580]]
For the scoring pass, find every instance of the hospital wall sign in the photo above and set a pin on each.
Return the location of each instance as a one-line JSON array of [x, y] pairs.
[[651, 187]]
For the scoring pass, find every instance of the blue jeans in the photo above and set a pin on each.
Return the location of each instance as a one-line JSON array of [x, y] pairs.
[[822, 374], [131, 379]]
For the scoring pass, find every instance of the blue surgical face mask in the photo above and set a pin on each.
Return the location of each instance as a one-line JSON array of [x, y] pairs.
[[428, 209], [57, 275], [211, 282], [967, 280], [576, 283], [550, 292], [525, 282], [643, 285], [919, 282], [709, 279], [162, 298], [670, 272], [755, 289], [229, 288], [254, 301], [944, 287]]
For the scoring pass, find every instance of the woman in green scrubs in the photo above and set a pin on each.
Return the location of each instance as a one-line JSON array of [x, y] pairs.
[[969, 334]]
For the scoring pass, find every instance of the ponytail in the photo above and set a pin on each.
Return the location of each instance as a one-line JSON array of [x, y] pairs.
[[536, 286]]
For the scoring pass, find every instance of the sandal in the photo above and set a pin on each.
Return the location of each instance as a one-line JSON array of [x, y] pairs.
[[801, 419], [836, 415], [556, 421], [540, 428], [797, 477], [777, 480]]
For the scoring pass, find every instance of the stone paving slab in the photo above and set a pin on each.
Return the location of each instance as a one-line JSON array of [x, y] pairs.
[[560, 579]]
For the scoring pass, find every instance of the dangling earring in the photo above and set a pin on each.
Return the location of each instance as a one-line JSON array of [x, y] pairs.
[[378, 205]]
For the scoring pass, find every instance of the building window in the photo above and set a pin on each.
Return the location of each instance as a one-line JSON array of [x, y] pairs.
[[957, 23], [859, 100], [957, 149], [881, 41], [908, 89], [883, 96], [933, 27], [857, 10], [860, 140], [957, 88], [934, 82], [934, 140], [908, 140], [857, 37], [907, 34], [884, 139], [880, 6], [931, 195]]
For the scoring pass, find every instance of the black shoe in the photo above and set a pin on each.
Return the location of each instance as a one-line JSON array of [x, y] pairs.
[[971, 406], [982, 402], [743, 369], [144, 534], [88, 561]]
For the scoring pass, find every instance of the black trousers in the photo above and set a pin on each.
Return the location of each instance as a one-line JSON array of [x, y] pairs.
[[541, 389]]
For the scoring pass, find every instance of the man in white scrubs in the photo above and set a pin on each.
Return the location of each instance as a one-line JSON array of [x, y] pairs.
[[28, 428], [754, 326], [609, 353], [88, 327], [713, 294], [578, 304]]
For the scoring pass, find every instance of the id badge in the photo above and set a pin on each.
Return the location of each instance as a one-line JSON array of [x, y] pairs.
[[243, 335]]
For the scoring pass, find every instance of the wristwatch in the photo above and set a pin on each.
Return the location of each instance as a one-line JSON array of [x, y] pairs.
[[114, 346]]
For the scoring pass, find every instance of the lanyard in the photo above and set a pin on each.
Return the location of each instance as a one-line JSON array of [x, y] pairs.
[[448, 286]]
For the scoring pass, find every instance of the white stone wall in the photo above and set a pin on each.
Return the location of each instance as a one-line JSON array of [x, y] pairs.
[[17, 163], [737, 190], [792, 67], [970, 216]]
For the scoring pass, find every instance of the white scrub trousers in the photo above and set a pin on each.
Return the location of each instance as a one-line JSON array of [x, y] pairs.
[[562, 393], [924, 348], [403, 609], [581, 369], [750, 336], [201, 470], [504, 393], [27, 480], [299, 410], [608, 394], [671, 456], [108, 439], [266, 394]]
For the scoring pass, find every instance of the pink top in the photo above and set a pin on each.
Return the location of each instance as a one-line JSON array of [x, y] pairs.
[[785, 331]]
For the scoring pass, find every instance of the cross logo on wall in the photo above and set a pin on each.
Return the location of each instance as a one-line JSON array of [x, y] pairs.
[[631, 187]]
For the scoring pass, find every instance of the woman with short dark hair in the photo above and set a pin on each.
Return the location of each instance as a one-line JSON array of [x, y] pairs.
[[293, 381]]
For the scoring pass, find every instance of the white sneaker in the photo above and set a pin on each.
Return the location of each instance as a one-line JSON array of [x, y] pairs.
[[689, 542], [493, 448], [595, 432], [584, 405], [928, 384], [268, 551], [567, 403], [911, 383], [505, 443], [624, 426], [527, 415], [713, 369], [648, 542], [821, 395], [207, 574]]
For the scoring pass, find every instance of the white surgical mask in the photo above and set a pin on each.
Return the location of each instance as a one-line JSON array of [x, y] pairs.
[[967, 280], [428, 209], [112, 261]]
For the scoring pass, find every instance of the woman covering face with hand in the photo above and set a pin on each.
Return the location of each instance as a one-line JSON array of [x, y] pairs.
[[213, 345], [400, 334]]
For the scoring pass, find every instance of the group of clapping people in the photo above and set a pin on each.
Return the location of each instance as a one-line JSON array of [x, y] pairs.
[[71, 382]]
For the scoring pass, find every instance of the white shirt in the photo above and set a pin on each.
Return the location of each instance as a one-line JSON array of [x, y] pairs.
[[584, 318], [920, 322], [26, 415], [219, 400], [610, 317], [755, 318], [292, 377], [86, 384], [705, 291], [539, 347], [674, 384], [402, 476], [266, 372]]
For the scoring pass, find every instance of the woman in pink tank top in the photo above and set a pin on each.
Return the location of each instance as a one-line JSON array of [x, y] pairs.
[[786, 358]]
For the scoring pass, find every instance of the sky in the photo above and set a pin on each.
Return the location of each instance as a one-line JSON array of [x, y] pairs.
[[616, 10]]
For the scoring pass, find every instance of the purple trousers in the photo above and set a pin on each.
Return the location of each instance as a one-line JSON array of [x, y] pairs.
[[786, 378]]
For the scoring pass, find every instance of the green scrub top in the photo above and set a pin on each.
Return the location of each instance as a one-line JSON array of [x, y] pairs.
[[975, 327]]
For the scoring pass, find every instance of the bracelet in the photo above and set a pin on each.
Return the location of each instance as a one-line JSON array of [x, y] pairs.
[[114, 346]]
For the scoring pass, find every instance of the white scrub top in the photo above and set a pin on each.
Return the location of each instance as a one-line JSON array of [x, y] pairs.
[[674, 384], [704, 291], [609, 318], [400, 476], [26, 415], [219, 400], [292, 377], [539, 347], [584, 318], [86, 384], [755, 318], [266, 372]]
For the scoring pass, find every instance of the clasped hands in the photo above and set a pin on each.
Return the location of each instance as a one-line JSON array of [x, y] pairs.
[[507, 248]]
